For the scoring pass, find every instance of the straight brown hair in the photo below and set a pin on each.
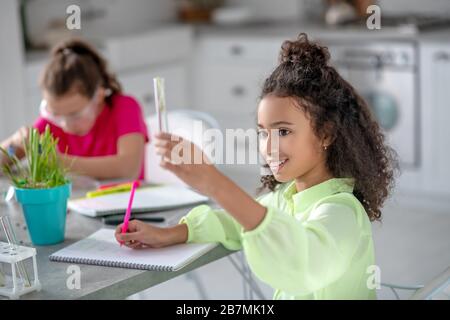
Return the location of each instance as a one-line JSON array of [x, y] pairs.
[[76, 65]]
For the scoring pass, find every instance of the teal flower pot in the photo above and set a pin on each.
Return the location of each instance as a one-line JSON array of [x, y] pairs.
[[45, 213]]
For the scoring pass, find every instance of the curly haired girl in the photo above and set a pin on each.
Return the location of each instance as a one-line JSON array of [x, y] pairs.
[[310, 236]]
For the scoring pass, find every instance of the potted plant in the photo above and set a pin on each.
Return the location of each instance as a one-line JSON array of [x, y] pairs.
[[41, 187]]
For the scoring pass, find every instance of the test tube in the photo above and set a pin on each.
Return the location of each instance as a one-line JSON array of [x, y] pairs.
[[160, 103], [2, 276], [12, 241]]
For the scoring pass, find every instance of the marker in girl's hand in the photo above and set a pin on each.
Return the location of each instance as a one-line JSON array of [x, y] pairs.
[[126, 219]]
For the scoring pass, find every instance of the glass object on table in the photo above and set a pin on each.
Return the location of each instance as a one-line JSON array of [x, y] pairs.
[[6, 192], [82, 184]]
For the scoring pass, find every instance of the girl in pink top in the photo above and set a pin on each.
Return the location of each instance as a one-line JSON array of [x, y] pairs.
[[101, 132]]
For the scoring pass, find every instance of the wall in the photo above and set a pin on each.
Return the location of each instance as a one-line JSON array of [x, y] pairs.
[[100, 17], [11, 63]]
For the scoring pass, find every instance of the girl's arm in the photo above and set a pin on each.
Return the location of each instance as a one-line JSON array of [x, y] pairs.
[[236, 201], [141, 234], [207, 179], [298, 257], [125, 164], [15, 141]]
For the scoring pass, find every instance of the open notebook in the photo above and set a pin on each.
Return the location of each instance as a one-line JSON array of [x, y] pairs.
[[145, 200], [102, 249]]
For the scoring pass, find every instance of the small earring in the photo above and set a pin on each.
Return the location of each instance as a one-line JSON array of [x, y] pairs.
[[325, 148]]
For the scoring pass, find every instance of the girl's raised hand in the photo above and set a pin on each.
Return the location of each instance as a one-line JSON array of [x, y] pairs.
[[187, 162]]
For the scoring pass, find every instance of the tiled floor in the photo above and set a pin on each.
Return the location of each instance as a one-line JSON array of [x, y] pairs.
[[412, 245]]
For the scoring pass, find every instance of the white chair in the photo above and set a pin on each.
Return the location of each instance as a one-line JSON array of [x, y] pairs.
[[188, 124], [439, 285]]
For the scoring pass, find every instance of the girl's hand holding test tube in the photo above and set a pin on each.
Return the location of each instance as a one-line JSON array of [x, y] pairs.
[[195, 169], [188, 162]]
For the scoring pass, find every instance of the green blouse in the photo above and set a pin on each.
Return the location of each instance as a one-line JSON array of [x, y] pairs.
[[313, 244]]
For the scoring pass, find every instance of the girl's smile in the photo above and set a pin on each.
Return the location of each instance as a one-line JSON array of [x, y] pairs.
[[288, 142], [276, 166]]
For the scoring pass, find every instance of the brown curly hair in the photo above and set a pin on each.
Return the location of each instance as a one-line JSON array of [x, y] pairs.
[[358, 149]]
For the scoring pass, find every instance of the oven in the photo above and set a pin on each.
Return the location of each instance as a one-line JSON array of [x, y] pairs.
[[385, 74]]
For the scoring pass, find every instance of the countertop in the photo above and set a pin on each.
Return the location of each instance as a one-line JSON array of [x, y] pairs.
[[321, 31], [290, 29]]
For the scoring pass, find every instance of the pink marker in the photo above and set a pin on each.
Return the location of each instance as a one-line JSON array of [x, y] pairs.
[[126, 219]]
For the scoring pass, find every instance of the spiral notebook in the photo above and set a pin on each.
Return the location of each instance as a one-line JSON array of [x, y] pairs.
[[102, 249]]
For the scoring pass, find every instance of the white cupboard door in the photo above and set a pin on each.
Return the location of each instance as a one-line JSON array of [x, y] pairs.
[[140, 86], [230, 93]]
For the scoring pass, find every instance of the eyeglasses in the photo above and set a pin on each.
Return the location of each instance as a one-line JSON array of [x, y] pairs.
[[74, 117]]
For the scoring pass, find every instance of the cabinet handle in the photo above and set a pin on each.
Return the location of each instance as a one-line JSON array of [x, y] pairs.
[[238, 91], [148, 98], [236, 50], [442, 56]]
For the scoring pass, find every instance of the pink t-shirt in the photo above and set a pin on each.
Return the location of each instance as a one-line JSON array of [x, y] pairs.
[[123, 117]]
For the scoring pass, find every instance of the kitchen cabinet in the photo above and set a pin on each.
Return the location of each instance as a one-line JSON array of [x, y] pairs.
[[166, 44], [140, 85], [136, 59], [228, 76], [229, 72], [231, 94], [139, 58], [435, 82]]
